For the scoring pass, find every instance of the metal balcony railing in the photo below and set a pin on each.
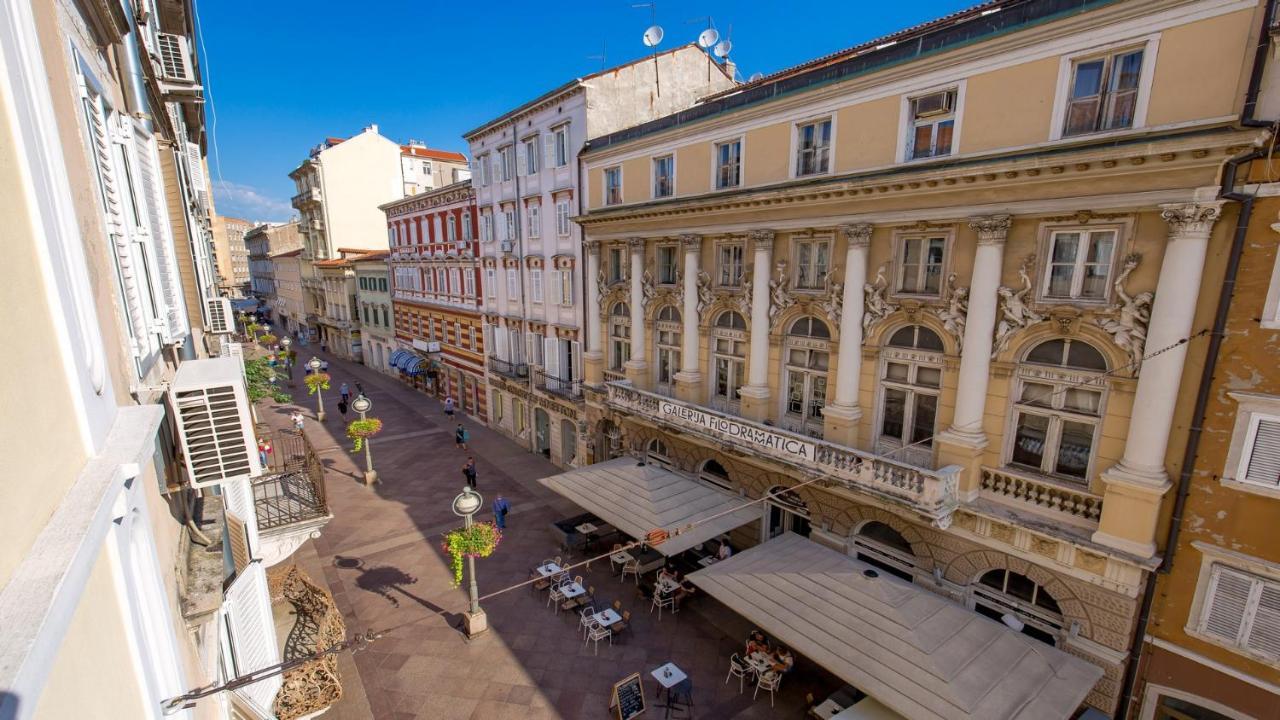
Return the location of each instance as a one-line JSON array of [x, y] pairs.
[[571, 389], [311, 687], [292, 489], [506, 368]]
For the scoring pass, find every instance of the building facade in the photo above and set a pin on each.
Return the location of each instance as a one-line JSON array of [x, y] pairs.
[[337, 325], [263, 242], [436, 290], [233, 254], [373, 310], [289, 308], [955, 284], [427, 169], [526, 177]]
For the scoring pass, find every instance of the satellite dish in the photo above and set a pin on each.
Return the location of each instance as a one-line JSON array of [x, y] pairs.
[[755, 76], [722, 48], [653, 36], [708, 37]]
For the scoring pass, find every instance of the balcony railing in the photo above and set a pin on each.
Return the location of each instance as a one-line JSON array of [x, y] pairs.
[[614, 376], [311, 687], [506, 368], [291, 490], [932, 493], [306, 196], [571, 389], [1068, 504]]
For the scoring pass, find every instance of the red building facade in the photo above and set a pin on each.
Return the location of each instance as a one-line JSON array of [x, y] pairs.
[[435, 293]]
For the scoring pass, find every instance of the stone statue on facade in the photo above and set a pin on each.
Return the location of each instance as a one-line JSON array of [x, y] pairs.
[[647, 291], [705, 296], [1127, 324], [780, 296], [955, 309], [876, 306], [832, 300], [1014, 311]]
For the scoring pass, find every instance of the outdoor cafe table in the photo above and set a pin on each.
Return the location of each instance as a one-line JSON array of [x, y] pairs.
[[826, 709], [759, 662], [708, 561], [572, 590], [668, 676], [607, 617], [668, 586], [548, 570], [622, 557]]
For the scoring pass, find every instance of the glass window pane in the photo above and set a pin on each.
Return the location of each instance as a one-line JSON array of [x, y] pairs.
[[795, 393], [922, 143], [1100, 247], [1074, 449], [942, 145], [895, 410], [1021, 587], [1065, 247], [1028, 440], [1094, 283], [818, 360], [1036, 394], [922, 425], [896, 371], [929, 377], [1060, 280], [994, 579], [1082, 116], [1088, 79], [1126, 71]]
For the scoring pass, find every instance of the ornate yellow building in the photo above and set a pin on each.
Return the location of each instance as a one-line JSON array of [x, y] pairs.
[[962, 276]]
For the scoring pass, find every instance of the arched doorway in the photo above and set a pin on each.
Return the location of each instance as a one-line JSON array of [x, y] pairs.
[[542, 432], [785, 512], [1000, 593], [875, 543], [568, 442]]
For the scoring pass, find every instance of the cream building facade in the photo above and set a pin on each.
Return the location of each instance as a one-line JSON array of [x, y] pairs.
[[232, 254], [289, 308], [527, 192], [961, 286], [374, 311], [337, 324], [262, 243]]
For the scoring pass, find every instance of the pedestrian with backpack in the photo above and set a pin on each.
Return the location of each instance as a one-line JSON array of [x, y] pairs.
[[500, 509], [460, 437], [469, 472]]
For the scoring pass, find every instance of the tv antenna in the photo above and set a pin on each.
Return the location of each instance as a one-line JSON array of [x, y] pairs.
[[755, 77], [707, 40], [652, 37], [602, 57]]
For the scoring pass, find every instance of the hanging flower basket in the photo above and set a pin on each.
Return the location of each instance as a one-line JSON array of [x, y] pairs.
[[252, 329], [268, 339], [479, 540], [358, 430], [317, 382]]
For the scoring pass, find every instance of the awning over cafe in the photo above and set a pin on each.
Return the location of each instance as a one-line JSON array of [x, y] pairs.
[[919, 654], [638, 498]]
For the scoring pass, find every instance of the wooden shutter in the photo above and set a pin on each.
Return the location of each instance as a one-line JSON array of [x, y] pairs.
[[251, 634], [535, 285], [237, 542], [1263, 466], [1264, 634], [551, 357], [575, 352], [1228, 599], [237, 499]]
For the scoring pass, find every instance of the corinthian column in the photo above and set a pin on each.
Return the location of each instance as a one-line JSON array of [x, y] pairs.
[[755, 394], [962, 443], [1136, 484], [636, 367], [689, 379], [840, 418], [593, 358]]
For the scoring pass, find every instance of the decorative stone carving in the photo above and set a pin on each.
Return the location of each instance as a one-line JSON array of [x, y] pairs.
[[762, 236], [1190, 218], [780, 296], [647, 291], [858, 235], [955, 309], [832, 300], [991, 229], [876, 306], [601, 280], [1127, 322], [705, 296], [1014, 311]]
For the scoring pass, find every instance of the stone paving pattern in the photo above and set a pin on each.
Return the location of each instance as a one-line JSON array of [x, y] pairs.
[[381, 558]]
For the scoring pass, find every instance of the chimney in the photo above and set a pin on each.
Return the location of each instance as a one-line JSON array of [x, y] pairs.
[[731, 69]]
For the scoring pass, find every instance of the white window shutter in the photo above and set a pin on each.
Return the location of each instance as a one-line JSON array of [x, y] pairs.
[[553, 285], [1225, 608], [251, 633], [550, 147], [531, 345], [575, 352], [497, 167], [513, 285], [1264, 635], [490, 282], [521, 165], [551, 357], [568, 287], [1264, 456], [535, 285], [488, 340], [500, 335], [237, 495]]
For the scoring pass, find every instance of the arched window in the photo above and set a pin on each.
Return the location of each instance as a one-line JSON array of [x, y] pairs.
[[619, 335], [713, 472], [666, 339], [911, 379], [787, 512], [878, 544], [728, 360], [1004, 592], [1058, 408], [657, 454], [806, 359]]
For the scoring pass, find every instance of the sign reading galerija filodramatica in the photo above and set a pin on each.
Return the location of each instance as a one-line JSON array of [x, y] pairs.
[[734, 430]]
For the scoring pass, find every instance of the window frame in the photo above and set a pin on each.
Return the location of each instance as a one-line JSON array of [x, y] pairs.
[[813, 240], [560, 134], [564, 221], [1251, 407], [738, 270], [507, 160], [1150, 45], [619, 348], [660, 278], [606, 189], [1213, 558], [796, 129], [915, 359], [907, 125], [741, 141], [736, 377], [671, 176], [532, 147], [1044, 264], [533, 218], [898, 267]]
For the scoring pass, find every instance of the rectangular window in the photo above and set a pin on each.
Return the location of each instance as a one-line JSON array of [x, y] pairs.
[[490, 283], [469, 283], [531, 164], [813, 260], [1242, 610], [535, 285], [560, 143], [483, 162], [562, 218], [920, 265], [813, 148], [507, 159], [932, 125], [486, 227], [495, 406], [450, 229], [1054, 428], [1079, 266], [666, 265], [664, 176], [1260, 459], [466, 225], [566, 288], [455, 283], [509, 223], [382, 284], [1103, 94], [513, 285], [535, 221], [729, 265], [728, 164], [612, 185]]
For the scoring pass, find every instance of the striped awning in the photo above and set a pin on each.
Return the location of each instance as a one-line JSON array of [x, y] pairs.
[[398, 357], [412, 365]]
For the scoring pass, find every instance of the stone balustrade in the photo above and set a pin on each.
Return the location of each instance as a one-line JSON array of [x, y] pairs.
[[1078, 506]]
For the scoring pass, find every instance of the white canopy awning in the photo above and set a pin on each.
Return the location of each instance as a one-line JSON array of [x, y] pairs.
[[638, 498], [919, 654]]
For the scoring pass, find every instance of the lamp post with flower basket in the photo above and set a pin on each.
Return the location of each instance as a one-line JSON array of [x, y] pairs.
[[472, 540], [316, 382], [361, 432]]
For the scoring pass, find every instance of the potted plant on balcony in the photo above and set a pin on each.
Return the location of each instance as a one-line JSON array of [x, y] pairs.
[[479, 540], [360, 430]]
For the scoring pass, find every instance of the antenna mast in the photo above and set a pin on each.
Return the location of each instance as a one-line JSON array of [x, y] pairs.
[[653, 36]]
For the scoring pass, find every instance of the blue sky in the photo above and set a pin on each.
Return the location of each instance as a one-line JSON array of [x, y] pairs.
[[283, 74]]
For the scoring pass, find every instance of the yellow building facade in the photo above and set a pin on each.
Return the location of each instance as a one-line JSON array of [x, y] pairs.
[[963, 286]]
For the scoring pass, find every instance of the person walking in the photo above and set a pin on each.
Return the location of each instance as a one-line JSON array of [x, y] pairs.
[[298, 421], [359, 388], [345, 392], [448, 406], [324, 366], [460, 437], [469, 472], [342, 407], [264, 451], [500, 509]]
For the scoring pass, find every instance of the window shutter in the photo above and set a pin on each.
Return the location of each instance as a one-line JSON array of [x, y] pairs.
[[162, 237], [551, 357], [553, 285], [490, 282], [550, 146], [575, 352], [531, 349], [521, 165], [1228, 600], [488, 339], [251, 633], [1264, 457], [238, 542], [567, 283], [535, 285], [497, 167], [500, 336], [513, 285], [1264, 636]]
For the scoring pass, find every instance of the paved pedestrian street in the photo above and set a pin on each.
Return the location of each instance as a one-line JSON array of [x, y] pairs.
[[382, 560]]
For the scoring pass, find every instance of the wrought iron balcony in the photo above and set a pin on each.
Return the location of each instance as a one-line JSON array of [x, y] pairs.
[[312, 687], [931, 493], [506, 368], [289, 498], [571, 389]]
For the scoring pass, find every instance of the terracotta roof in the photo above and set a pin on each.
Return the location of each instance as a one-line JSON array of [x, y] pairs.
[[354, 251], [337, 262], [287, 253], [430, 153], [333, 140], [379, 255]]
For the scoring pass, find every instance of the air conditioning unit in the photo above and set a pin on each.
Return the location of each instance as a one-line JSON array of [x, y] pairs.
[[177, 69], [506, 246], [939, 103], [233, 350], [221, 316], [210, 406]]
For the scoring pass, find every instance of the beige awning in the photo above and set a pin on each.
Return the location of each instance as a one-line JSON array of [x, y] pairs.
[[923, 656], [638, 498]]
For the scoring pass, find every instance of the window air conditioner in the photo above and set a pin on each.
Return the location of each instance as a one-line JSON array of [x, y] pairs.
[[221, 316], [175, 58], [935, 104], [233, 350], [210, 406], [506, 246]]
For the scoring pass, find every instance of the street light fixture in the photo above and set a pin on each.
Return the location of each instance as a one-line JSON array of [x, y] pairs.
[[314, 365], [465, 505], [363, 405], [286, 342]]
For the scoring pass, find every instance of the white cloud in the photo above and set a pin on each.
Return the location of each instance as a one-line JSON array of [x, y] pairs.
[[244, 201]]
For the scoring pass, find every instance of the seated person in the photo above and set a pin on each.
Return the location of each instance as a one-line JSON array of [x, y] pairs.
[[756, 643], [683, 591], [781, 660], [724, 552], [665, 573]]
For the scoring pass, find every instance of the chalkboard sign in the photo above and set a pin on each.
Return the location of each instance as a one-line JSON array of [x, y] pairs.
[[628, 697]]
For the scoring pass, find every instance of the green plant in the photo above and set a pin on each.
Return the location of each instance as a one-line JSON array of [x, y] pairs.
[[252, 329], [358, 430], [317, 382], [260, 379], [479, 540], [268, 339]]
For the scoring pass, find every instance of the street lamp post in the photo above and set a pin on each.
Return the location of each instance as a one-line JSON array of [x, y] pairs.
[[285, 342], [363, 405], [466, 504], [314, 364]]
